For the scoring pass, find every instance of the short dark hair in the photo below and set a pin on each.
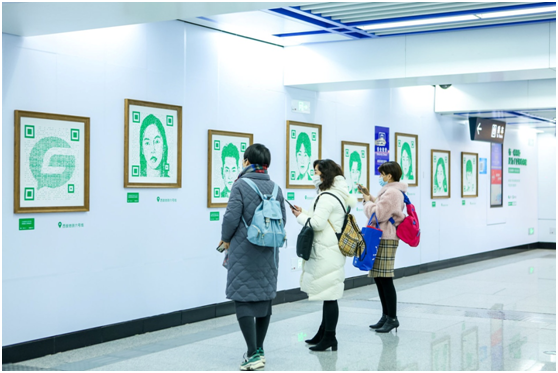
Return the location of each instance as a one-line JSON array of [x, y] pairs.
[[258, 154], [391, 168], [329, 170]]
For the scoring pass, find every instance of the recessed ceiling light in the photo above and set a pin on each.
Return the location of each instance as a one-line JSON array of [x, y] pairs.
[[519, 12], [418, 22]]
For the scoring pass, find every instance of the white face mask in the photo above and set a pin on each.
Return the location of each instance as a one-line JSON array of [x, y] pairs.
[[316, 180]]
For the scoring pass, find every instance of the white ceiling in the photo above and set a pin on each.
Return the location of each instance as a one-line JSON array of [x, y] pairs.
[[32, 19]]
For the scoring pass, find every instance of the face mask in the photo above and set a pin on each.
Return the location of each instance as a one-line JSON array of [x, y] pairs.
[[382, 182], [316, 180]]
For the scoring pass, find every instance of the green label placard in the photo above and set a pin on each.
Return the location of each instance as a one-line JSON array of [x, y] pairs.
[[433, 203], [27, 224], [463, 202], [514, 170], [531, 231], [512, 203], [133, 197], [290, 196], [214, 216]]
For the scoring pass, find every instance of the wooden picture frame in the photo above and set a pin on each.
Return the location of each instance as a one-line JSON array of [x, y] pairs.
[[233, 144], [349, 158], [408, 143], [295, 178], [58, 143], [442, 188], [166, 163], [469, 163]]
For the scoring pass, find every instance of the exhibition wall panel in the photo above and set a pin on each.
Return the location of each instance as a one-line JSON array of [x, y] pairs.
[[136, 260], [547, 187]]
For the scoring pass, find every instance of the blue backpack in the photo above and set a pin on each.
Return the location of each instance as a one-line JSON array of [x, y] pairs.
[[267, 228]]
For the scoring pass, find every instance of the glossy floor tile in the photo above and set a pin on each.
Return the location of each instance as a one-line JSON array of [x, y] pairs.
[[498, 314]]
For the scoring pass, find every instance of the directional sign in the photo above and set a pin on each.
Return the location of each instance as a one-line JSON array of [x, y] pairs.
[[490, 130]]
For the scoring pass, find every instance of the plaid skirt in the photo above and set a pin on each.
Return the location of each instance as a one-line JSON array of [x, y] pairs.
[[385, 259]]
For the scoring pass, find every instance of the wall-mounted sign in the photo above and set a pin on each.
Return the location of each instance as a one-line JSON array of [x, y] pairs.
[[27, 224], [214, 216], [482, 129], [482, 166], [381, 147], [133, 197]]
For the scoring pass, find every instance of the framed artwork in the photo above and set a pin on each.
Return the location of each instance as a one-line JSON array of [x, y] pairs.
[[440, 174], [406, 155], [496, 180], [304, 146], [441, 354], [225, 156], [51, 163], [152, 145], [469, 175], [470, 349], [356, 165]]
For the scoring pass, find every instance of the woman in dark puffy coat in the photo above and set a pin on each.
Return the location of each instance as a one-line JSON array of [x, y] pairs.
[[252, 269]]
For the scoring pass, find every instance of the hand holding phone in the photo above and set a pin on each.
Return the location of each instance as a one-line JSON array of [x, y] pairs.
[[363, 189]]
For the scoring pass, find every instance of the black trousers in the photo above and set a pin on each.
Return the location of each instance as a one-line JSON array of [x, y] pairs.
[[388, 295]]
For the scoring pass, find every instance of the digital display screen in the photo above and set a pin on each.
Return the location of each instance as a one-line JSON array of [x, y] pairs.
[[496, 174]]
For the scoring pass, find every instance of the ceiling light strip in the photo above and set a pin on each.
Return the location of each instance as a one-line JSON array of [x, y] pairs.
[[415, 12], [478, 22], [448, 14]]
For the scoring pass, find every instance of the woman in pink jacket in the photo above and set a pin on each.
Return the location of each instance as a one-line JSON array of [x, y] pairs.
[[388, 206]]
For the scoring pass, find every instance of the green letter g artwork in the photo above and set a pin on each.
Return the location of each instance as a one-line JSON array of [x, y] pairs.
[[52, 162]]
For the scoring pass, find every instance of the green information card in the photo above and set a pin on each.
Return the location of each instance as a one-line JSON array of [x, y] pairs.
[[214, 216], [27, 224], [133, 197], [531, 231], [433, 203], [513, 170], [290, 196]]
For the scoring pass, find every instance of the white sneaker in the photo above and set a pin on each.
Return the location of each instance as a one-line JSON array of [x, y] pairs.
[[253, 363]]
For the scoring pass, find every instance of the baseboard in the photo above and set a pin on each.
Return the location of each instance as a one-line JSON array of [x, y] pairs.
[[65, 342]]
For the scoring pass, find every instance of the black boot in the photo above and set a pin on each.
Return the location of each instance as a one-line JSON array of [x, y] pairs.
[[389, 325], [318, 337], [380, 323], [327, 341]]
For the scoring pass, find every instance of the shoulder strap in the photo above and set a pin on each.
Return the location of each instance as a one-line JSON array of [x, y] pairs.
[[331, 194], [275, 191], [406, 199], [254, 186]]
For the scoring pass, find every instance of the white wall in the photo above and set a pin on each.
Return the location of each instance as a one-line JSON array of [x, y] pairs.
[[547, 187], [139, 260]]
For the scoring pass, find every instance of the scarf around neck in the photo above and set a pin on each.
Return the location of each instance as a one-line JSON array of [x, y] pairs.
[[253, 168]]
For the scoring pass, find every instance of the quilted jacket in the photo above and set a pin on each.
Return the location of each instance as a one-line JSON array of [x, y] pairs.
[[323, 275], [252, 269]]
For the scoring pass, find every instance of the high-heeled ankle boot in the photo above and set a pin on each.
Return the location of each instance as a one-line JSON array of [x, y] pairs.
[[327, 341], [318, 337], [389, 325], [380, 323]]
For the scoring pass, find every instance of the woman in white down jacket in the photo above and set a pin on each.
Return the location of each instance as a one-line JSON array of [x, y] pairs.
[[323, 275]]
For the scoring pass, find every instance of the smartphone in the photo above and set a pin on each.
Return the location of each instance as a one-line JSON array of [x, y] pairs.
[[221, 248], [290, 205]]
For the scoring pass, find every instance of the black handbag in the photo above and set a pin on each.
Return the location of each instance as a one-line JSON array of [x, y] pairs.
[[304, 241]]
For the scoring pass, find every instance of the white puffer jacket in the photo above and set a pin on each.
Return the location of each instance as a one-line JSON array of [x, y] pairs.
[[323, 275]]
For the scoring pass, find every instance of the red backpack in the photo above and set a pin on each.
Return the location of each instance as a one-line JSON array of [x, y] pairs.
[[408, 230]]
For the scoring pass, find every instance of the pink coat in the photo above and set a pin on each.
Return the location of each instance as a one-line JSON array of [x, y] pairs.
[[389, 204]]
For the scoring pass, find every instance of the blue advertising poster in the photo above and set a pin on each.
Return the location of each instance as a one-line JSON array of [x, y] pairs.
[[381, 147]]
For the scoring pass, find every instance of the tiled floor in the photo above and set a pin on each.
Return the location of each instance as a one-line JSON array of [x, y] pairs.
[[498, 314]]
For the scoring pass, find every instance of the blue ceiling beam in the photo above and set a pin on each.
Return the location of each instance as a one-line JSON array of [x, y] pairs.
[[304, 33], [529, 116], [326, 23], [449, 14]]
